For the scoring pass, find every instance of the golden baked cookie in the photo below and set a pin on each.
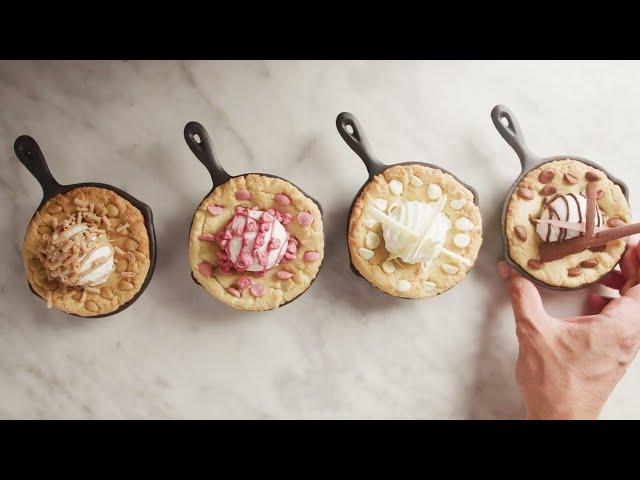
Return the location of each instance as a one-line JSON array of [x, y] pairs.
[[86, 251], [432, 239], [256, 242], [555, 190]]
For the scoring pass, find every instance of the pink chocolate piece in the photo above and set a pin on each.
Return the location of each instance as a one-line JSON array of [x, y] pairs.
[[311, 256], [305, 219], [215, 209], [207, 237], [286, 218], [284, 275], [205, 269], [243, 282], [233, 292], [243, 195], [282, 199], [258, 290]]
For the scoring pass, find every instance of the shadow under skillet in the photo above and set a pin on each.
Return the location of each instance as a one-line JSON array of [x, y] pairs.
[[339, 285]]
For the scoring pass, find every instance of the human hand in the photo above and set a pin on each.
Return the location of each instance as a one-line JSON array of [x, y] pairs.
[[567, 367]]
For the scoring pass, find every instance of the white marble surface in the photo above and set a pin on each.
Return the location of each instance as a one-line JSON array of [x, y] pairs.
[[343, 350]]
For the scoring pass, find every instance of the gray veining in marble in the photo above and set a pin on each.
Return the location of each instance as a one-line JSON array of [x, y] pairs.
[[343, 350]]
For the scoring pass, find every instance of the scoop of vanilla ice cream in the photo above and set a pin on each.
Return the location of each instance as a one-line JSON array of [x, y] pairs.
[[101, 273], [569, 208], [245, 243]]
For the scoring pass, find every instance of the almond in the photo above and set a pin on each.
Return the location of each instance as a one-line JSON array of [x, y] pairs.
[[591, 263], [525, 193], [520, 232], [546, 176], [55, 208], [91, 306], [107, 293], [570, 179], [124, 285], [615, 222], [592, 177], [131, 244], [574, 271], [548, 190], [44, 229], [112, 210], [534, 264]]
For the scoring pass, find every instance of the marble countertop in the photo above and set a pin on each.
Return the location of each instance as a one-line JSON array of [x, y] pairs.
[[343, 350]]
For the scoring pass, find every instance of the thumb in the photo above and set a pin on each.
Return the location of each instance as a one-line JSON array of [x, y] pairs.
[[525, 298]]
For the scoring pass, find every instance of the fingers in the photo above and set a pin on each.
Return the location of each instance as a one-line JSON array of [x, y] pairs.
[[630, 264], [525, 298], [595, 303], [632, 291], [614, 279]]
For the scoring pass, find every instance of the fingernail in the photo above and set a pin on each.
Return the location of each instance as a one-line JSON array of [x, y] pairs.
[[504, 269]]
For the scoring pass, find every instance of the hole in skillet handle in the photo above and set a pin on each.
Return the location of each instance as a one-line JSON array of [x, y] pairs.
[[200, 143], [31, 156], [353, 134]]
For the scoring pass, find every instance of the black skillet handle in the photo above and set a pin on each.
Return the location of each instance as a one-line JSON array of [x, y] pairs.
[[513, 135], [202, 147], [357, 140], [30, 155]]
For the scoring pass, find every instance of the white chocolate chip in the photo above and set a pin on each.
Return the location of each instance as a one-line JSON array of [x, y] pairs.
[[372, 240], [388, 267], [380, 204], [403, 285], [434, 191], [464, 224], [450, 269], [396, 187], [461, 240], [428, 286], [370, 222], [365, 253], [416, 181], [457, 204]]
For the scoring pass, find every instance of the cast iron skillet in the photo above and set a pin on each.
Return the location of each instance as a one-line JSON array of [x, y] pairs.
[[200, 143], [357, 140], [30, 155], [529, 161]]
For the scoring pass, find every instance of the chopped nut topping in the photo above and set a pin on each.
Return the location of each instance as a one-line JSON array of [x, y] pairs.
[[574, 271], [548, 190], [525, 193], [534, 264], [520, 232], [570, 179], [546, 176], [592, 177], [615, 222], [591, 263]]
